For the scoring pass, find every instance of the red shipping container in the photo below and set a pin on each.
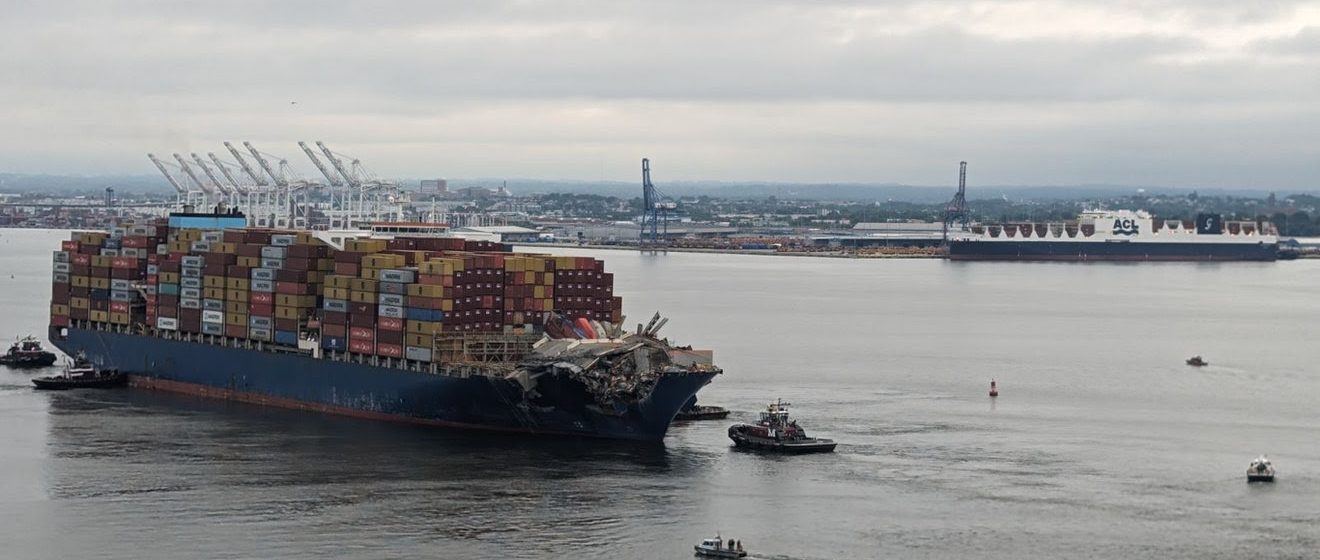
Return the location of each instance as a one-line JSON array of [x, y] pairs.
[[236, 331], [69, 245], [59, 321], [123, 262], [361, 333], [261, 309], [336, 330], [361, 346], [119, 307], [348, 269], [360, 320], [265, 298], [286, 324], [336, 317], [389, 324], [80, 259], [389, 350]]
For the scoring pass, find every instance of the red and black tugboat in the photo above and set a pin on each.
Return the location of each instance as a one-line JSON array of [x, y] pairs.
[[776, 432], [82, 374], [27, 353]]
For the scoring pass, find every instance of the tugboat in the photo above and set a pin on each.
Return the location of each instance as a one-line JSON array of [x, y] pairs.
[[717, 548], [82, 375], [27, 353], [1196, 361], [775, 432], [1260, 470]]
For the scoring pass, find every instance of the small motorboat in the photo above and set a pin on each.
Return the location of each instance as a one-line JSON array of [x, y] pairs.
[[776, 432], [717, 548], [1260, 470], [27, 353], [702, 413], [82, 375], [1196, 361]]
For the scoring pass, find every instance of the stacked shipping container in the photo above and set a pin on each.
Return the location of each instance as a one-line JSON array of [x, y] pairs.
[[393, 298]]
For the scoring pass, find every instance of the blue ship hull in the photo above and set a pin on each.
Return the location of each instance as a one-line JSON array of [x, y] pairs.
[[561, 406], [1110, 251]]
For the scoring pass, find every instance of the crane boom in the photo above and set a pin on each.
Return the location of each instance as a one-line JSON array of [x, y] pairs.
[[210, 174], [339, 165], [163, 171], [224, 170], [261, 160], [244, 165], [335, 181], [183, 164]]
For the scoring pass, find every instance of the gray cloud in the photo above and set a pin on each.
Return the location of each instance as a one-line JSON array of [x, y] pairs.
[[1039, 92]]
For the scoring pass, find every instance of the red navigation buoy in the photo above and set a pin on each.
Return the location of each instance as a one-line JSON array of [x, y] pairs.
[[994, 391]]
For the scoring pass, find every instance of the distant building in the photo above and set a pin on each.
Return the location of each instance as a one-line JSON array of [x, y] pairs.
[[435, 186], [501, 234]]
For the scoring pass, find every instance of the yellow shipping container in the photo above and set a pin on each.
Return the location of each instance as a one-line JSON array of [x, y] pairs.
[[289, 300], [224, 247], [236, 307], [359, 296], [284, 312], [102, 261], [250, 262], [315, 277], [236, 319], [179, 246], [446, 305], [213, 293], [238, 284], [538, 292], [427, 328], [59, 309], [119, 318], [426, 290], [80, 303], [537, 264], [213, 282], [80, 281], [365, 285], [420, 340], [515, 264], [168, 278], [188, 234], [336, 293], [236, 295], [99, 316], [370, 273], [384, 261], [365, 245], [547, 279], [99, 283]]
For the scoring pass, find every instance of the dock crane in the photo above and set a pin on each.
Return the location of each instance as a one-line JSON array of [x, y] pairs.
[[655, 212], [334, 180], [338, 165], [206, 169], [261, 160], [224, 170], [247, 169], [956, 211], [168, 177], [187, 169]]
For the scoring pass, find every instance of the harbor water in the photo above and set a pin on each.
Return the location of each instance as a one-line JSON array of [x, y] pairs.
[[1102, 443]]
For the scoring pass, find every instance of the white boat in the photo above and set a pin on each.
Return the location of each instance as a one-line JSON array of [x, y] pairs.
[[717, 548], [1260, 470]]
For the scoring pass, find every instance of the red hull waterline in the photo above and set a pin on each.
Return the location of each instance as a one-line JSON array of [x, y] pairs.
[[193, 389]]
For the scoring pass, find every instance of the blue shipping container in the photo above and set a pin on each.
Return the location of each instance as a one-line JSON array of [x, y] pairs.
[[418, 314], [286, 337], [338, 343], [167, 289]]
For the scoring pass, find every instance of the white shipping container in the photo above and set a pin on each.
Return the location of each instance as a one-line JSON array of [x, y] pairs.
[[213, 316], [167, 323]]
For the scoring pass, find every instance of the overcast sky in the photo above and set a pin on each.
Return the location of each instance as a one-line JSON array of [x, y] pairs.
[[1210, 93]]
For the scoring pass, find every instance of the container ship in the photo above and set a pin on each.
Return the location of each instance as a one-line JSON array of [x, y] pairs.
[[1119, 235], [421, 329]]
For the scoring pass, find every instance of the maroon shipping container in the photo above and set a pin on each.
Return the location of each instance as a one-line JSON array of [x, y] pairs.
[[347, 269], [294, 288], [236, 331], [294, 276], [362, 308], [361, 333], [261, 309], [389, 324], [266, 298], [361, 346], [350, 257], [286, 324], [360, 320], [389, 350], [167, 311], [337, 317], [236, 271], [334, 329], [251, 250], [214, 268], [389, 337], [78, 313]]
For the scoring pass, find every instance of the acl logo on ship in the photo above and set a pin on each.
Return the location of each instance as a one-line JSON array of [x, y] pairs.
[[1125, 226]]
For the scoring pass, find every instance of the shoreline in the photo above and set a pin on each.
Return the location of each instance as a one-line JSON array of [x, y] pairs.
[[765, 252]]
